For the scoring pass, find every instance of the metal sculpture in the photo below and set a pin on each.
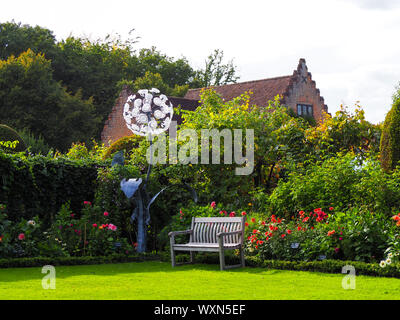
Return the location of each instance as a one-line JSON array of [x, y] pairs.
[[146, 113]]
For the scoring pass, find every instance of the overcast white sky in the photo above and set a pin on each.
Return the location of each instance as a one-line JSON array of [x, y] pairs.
[[351, 47]]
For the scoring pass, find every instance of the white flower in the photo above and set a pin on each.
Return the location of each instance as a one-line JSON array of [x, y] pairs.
[[31, 222], [382, 263], [388, 261], [390, 255]]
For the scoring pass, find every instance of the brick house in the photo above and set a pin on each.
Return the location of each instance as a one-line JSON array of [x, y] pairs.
[[298, 92]]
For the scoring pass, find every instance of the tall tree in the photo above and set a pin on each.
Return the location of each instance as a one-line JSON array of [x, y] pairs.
[[31, 99], [216, 72], [16, 38]]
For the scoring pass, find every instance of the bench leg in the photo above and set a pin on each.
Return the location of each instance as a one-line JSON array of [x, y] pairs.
[[242, 256], [173, 261], [221, 258], [191, 256]]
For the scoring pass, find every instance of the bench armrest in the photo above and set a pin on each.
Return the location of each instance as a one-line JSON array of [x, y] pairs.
[[220, 237], [219, 234], [174, 233]]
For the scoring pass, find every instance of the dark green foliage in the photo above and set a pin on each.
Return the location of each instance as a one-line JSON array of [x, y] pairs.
[[341, 182], [31, 99], [91, 73], [9, 134], [36, 145], [70, 261], [40, 185], [16, 38], [390, 141]]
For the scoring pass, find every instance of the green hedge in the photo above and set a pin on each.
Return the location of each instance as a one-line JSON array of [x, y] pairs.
[[39, 185], [70, 261], [325, 266]]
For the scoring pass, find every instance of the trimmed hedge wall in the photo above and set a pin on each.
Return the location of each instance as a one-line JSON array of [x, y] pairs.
[[325, 266], [40, 185], [70, 261]]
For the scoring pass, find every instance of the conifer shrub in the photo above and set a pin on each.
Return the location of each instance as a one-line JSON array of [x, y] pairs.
[[390, 141]]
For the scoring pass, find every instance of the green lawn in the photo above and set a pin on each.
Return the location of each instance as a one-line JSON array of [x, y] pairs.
[[157, 280]]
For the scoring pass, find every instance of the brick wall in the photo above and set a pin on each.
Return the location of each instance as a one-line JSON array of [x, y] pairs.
[[115, 127], [302, 90]]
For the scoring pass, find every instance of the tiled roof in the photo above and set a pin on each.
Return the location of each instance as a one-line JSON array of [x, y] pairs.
[[186, 104], [263, 90]]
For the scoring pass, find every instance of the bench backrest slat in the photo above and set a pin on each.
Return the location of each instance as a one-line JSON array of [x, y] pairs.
[[205, 230]]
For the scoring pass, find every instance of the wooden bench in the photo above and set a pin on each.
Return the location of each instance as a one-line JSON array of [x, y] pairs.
[[213, 234]]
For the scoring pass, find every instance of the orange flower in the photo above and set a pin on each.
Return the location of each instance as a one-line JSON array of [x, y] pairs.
[[331, 232], [289, 231], [396, 218]]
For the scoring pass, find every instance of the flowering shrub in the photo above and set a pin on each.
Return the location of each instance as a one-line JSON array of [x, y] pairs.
[[303, 237], [393, 251], [353, 235], [340, 182], [91, 234]]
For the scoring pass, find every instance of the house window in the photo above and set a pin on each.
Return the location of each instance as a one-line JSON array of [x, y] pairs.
[[305, 110]]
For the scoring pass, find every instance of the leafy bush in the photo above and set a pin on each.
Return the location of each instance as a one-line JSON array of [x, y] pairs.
[[90, 234], [126, 144], [340, 182], [35, 145], [390, 142], [357, 235]]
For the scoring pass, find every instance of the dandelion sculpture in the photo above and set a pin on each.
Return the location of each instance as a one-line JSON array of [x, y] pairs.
[[146, 113]]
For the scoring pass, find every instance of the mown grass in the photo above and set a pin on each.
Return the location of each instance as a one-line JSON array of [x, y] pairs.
[[159, 281]]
